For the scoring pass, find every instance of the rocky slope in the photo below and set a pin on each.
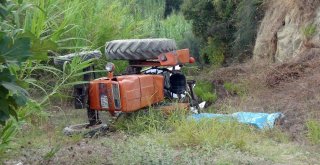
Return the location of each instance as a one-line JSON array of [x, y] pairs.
[[290, 28]]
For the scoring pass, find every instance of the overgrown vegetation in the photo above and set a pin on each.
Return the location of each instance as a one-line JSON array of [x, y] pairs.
[[205, 91], [32, 32], [227, 28]]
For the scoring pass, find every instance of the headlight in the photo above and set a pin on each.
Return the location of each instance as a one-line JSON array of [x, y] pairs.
[[110, 67]]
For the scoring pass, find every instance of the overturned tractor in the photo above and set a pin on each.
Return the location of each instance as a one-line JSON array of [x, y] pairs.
[[153, 76]]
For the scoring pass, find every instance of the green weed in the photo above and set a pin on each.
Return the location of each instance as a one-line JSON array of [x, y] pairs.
[[314, 131], [49, 155], [309, 31], [204, 90], [235, 89]]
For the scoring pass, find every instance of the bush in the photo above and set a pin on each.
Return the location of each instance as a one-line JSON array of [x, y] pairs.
[[213, 53]]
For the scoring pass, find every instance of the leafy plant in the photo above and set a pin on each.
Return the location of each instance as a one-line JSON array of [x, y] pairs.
[[12, 94], [16, 48]]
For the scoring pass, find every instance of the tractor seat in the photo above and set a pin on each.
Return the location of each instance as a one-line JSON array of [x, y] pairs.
[[87, 55]]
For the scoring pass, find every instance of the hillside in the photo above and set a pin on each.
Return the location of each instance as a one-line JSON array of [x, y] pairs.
[[283, 75], [289, 29]]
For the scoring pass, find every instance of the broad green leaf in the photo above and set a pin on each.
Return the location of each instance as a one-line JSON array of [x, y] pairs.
[[6, 76], [14, 88], [17, 50], [4, 107], [3, 117], [20, 100]]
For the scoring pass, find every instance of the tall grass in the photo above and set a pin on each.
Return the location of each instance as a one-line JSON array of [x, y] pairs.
[[81, 24]]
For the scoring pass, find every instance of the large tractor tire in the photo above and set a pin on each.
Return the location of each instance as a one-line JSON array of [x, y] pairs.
[[139, 49]]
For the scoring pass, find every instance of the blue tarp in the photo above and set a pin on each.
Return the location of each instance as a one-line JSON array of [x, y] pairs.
[[259, 120]]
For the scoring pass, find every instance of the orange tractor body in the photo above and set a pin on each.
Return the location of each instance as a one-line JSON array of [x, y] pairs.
[[125, 93], [130, 93]]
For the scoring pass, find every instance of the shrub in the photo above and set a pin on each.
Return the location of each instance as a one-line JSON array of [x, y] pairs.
[[213, 53]]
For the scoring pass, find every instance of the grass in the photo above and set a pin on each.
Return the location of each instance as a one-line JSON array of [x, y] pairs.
[[204, 90], [213, 133], [149, 137], [314, 131], [235, 89], [148, 121]]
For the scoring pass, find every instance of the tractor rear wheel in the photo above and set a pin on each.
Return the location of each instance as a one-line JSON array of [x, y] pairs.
[[139, 49]]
